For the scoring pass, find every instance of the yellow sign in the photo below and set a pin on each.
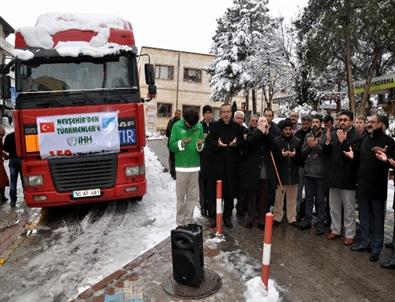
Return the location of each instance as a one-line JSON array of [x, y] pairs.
[[381, 83]]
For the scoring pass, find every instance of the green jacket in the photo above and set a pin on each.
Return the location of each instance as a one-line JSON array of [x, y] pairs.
[[187, 156]]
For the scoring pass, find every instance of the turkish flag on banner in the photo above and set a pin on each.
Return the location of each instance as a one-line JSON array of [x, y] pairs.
[[47, 127]]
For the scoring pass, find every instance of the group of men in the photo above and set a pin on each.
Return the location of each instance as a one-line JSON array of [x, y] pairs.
[[337, 163]]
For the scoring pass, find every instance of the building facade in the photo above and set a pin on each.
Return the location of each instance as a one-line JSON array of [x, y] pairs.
[[5, 47], [181, 83]]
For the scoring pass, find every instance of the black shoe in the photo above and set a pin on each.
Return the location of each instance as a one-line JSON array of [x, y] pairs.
[[360, 248], [213, 223], [374, 257], [390, 264], [13, 204], [203, 212], [304, 226], [389, 245], [248, 225], [261, 226], [276, 222], [294, 224], [319, 232], [228, 223]]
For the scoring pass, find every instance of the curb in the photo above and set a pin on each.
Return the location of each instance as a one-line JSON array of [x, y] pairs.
[[97, 292]]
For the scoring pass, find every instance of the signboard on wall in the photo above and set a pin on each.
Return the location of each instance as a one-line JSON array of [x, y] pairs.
[[381, 83]]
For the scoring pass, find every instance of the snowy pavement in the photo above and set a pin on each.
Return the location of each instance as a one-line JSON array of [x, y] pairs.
[[75, 247]]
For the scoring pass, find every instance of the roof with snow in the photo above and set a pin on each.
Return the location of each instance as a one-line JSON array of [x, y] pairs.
[[75, 34]]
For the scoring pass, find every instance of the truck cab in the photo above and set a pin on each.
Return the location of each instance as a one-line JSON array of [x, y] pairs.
[[79, 116]]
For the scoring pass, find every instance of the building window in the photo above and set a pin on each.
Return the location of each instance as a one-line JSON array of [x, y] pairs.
[[164, 110], [192, 75], [186, 107], [164, 72]]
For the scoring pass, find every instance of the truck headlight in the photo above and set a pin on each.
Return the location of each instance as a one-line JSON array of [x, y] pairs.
[[132, 171], [35, 180]]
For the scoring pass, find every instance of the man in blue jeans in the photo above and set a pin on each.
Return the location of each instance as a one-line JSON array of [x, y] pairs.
[[15, 165]]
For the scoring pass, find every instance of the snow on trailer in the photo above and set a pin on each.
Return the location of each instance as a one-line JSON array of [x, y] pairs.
[[75, 34]]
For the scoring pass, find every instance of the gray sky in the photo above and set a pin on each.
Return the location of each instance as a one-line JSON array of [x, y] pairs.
[[175, 24]]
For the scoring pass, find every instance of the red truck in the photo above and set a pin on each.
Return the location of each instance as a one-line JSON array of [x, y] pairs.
[[79, 117]]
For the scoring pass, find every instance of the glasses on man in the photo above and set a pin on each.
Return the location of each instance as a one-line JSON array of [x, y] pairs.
[[343, 119]]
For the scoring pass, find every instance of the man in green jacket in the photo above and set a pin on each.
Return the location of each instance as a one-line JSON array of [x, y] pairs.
[[186, 141]]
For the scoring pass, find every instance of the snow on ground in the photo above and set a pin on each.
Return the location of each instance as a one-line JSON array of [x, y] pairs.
[[154, 135], [68, 261], [256, 292], [238, 262]]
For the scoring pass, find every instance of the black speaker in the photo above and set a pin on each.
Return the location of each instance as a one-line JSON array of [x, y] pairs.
[[187, 254]]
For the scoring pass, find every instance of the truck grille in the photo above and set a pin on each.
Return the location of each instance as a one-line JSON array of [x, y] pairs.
[[81, 173]]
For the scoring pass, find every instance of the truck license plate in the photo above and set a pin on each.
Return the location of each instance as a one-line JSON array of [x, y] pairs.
[[86, 193]]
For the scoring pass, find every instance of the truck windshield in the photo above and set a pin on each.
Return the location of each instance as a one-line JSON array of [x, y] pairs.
[[77, 74]]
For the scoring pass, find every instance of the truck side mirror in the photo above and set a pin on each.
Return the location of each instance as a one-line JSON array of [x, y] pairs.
[[149, 74], [5, 86], [150, 80]]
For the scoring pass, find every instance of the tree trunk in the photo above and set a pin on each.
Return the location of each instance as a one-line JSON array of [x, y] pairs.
[[365, 96], [253, 97], [247, 99], [268, 105], [351, 96]]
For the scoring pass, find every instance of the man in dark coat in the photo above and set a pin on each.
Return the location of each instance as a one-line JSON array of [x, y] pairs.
[[287, 152], [301, 135], [172, 158], [205, 162], [15, 165], [342, 177], [389, 263], [224, 141], [257, 172], [273, 127], [372, 186], [314, 171]]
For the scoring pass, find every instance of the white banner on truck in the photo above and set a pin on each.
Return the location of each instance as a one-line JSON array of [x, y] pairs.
[[77, 134]]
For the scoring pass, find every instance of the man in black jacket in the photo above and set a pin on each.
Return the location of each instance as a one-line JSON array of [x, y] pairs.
[[172, 158], [224, 141], [342, 177], [389, 263], [205, 162], [314, 171], [301, 135], [372, 186], [258, 172], [15, 165], [287, 148]]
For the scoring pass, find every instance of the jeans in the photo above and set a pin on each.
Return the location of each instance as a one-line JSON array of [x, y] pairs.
[[315, 189], [15, 165]]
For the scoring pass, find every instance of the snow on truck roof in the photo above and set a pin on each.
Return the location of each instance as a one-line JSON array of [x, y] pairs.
[[75, 34]]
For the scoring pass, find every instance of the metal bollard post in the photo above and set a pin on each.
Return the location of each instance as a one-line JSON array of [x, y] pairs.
[[267, 245], [219, 208]]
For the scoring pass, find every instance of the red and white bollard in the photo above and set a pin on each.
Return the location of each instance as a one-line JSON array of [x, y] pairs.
[[219, 208], [267, 245]]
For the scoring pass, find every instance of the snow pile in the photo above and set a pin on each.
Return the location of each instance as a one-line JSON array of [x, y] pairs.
[[153, 135], [257, 293], [285, 111], [49, 24], [239, 261], [391, 128]]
